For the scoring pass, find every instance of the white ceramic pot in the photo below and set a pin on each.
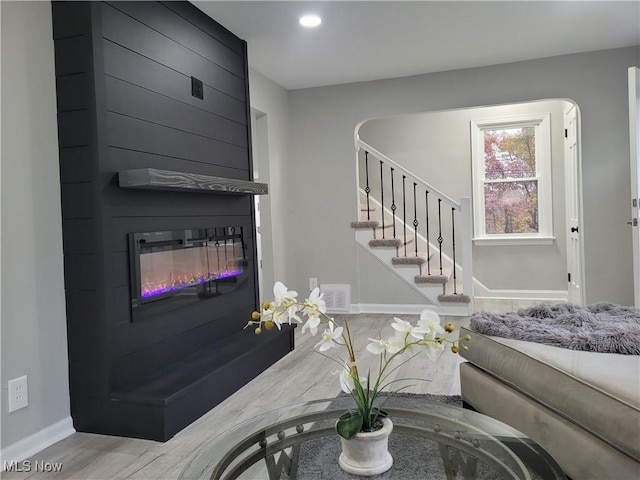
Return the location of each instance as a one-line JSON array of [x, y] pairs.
[[367, 453]]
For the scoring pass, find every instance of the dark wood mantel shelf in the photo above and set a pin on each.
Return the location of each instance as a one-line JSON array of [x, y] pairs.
[[154, 179]]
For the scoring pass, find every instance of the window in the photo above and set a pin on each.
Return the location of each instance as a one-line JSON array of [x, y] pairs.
[[512, 180]]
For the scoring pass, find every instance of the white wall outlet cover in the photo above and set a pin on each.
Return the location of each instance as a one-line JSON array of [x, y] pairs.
[[18, 393]]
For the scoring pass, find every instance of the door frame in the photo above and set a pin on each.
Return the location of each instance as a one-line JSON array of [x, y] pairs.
[[262, 203], [634, 160], [578, 185]]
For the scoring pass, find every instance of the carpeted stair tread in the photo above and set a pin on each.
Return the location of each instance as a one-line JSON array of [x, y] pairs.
[[408, 261], [365, 224], [385, 242], [386, 227], [433, 278], [388, 242], [454, 298]]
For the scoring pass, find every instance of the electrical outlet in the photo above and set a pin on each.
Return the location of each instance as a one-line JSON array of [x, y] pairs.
[[313, 283], [18, 393]]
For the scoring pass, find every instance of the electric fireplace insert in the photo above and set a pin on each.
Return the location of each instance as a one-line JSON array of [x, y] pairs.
[[171, 269]]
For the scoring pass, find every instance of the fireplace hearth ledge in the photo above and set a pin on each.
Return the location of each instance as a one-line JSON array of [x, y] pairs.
[[180, 393], [155, 179]]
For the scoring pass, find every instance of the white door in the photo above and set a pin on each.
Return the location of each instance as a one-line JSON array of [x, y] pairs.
[[634, 136], [575, 282]]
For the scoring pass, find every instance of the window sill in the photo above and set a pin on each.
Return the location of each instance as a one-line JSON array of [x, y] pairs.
[[492, 242]]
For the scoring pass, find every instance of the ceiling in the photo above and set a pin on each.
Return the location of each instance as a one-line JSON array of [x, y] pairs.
[[370, 40]]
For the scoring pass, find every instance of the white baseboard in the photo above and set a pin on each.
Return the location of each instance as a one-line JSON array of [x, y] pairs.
[[389, 308], [538, 295], [37, 442], [481, 291]]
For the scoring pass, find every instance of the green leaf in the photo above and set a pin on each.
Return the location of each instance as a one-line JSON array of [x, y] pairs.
[[349, 424]]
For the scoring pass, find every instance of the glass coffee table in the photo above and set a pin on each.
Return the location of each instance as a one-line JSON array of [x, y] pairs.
[[429, 441]]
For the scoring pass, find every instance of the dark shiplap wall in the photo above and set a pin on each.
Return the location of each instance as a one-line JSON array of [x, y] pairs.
[[124, 100], [148, 90]]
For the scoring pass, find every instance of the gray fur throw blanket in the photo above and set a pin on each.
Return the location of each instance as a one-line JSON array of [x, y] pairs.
[[602, 327]]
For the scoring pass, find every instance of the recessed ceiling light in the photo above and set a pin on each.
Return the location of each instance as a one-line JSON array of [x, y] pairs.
[[310, 21]]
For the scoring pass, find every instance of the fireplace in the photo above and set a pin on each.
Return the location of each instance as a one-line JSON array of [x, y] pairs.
[[174, 268], [159, 227]]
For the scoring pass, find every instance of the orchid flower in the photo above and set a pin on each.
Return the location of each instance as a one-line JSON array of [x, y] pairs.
[[273, 315], [312, 325], [430, 321], [314, 307], [433, 349], [286, 300], [347, 383], [282, 296], [292, 314], [346, 380], [329, 337], [402, 326], [391, 345]]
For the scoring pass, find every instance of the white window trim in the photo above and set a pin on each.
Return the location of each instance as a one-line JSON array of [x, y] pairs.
[[542, 124]]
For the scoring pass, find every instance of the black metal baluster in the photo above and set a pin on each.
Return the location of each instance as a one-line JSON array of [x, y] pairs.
[[404, 215], [226, 255], [393, 205], [232, 231], [440, 239], [382, 198], [415, 220], [367, 189], [217, 245], [243, 245], [453, 243], [426, 201]]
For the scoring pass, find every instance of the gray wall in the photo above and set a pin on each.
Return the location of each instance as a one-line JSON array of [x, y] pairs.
[[34, 341], [436, 146], [270, 102], [375, 280], [323, 121]]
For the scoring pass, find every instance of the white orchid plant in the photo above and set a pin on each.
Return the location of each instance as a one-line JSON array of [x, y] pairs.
[[409, 340]]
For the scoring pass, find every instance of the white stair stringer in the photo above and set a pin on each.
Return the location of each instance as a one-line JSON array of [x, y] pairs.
[[407, 273]]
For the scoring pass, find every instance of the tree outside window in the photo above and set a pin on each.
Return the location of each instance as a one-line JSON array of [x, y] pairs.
[[512, 178], [511, 206]]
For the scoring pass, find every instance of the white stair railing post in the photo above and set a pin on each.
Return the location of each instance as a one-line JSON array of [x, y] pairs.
[[358, 205], [466, 232]]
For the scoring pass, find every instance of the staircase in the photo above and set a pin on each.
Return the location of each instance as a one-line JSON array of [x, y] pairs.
[[416, 231]]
